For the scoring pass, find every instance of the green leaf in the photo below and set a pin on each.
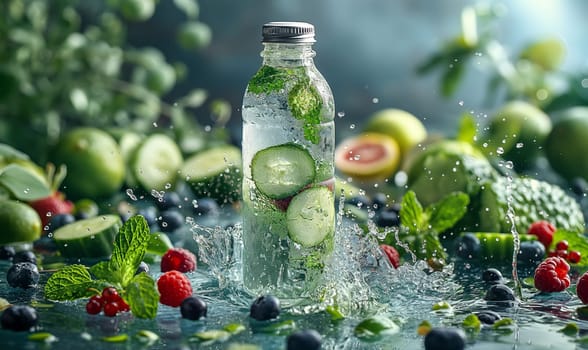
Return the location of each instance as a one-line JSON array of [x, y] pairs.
[[280, 328], [472, 322], [336, 314], [578, 241], [446, 212], [189, 7], [234, 328], [373, 328], [442, 305], [411, 213], [70, 283], [451, 78], [130, 245], [119, 338], [147, 337], [11, 153], [101, 270], [570, 329], [142, 296], [22, 184], [467, 129], [211, 335], [44, 337]]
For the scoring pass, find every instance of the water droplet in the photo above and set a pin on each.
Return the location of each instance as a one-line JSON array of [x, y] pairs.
[[207, 128], [460, 103], [167, 186], [131, 195], [154, 124], [519, 145], [584, 83], [27, 190], [352, 126], [340, 114], [375, 100], [500, 150], [508, 164]]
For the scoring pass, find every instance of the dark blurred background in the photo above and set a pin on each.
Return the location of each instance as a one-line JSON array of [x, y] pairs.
[[367, 50]]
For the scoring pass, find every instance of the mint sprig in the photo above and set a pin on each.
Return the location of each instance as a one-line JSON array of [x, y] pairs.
[[140, 292], [420, 227]]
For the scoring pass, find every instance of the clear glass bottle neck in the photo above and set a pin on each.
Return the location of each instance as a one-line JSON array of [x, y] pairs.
[[287, 55]]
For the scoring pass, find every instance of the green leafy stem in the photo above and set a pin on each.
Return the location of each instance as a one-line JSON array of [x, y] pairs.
[[138, 290]]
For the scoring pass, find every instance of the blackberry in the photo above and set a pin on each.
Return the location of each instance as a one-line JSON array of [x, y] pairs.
[[193, 308], [23, 275], [304, 340], [19, 318], [265, 308]]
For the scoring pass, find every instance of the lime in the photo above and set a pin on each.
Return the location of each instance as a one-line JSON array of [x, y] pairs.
[[137, 10], [567, 143], [547, 53], [402, 126], [95, 166], [194, 35], [19, 222], [155, 162], [517, 133]]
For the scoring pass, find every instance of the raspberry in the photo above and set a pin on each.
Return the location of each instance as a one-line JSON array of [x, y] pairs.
[[111, 308], [552, 275], [544, 231], [173, 288], [392, 254], [93, 307], [574, 256], [582, 288], [178, 259]]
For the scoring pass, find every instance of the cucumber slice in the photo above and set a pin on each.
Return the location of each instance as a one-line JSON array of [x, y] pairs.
[[282, 171], [311, 216], [499, 246], [215, 173], [89, 238], [155, 162]]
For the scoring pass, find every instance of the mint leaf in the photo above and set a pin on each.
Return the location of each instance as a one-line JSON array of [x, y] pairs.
[[411, 213], [70, 283], [373, 327], [101, 270], [142, 296], [22, 184], [268, 79], [446, 212], [130, 245]]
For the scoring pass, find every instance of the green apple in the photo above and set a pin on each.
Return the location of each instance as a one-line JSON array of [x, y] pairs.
[[567, 143], [402, 126]]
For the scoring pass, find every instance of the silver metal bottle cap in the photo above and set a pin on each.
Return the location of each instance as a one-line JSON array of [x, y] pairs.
[[288, 32]]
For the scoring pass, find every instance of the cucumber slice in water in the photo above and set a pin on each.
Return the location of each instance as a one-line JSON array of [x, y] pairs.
[[282, 171], [215, 173], [89, 238], [155, 162], [311, 216]]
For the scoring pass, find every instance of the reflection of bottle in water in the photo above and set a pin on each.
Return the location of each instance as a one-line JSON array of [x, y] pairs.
[[288, 151]]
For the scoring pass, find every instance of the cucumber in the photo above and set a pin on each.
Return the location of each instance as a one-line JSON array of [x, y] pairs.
[[498, 246], [310, 216], [155, 162], [89, 238], [283, 170], [215, 173]]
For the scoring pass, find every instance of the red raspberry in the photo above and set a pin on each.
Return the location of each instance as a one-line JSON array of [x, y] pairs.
[[562, 245], [111, 308], [544, 230], [173, 288], [574, 257], [110, 294], [552, 275], [93, 307], [178, 259], [392, 254], [582, 288]]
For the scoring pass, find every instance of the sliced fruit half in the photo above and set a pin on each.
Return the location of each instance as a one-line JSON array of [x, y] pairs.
[[283, 170], [89, 238], [311, 216], [155, 162], [368, 157]]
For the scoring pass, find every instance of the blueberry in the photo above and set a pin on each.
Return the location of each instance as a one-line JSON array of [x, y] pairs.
[[60, 220], [488, 317], [23, 275], [143, 267], [379, 201], [492, 276], [308, 339], [531, 252], [445, 339], [25, 256], [265, 308], [388, 217], [205, 206], [150, 215], [171, 220], [169, 200], [500, 294], [359, 201], [7, 252], [193, 308], [19, 318], [468, 246]]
